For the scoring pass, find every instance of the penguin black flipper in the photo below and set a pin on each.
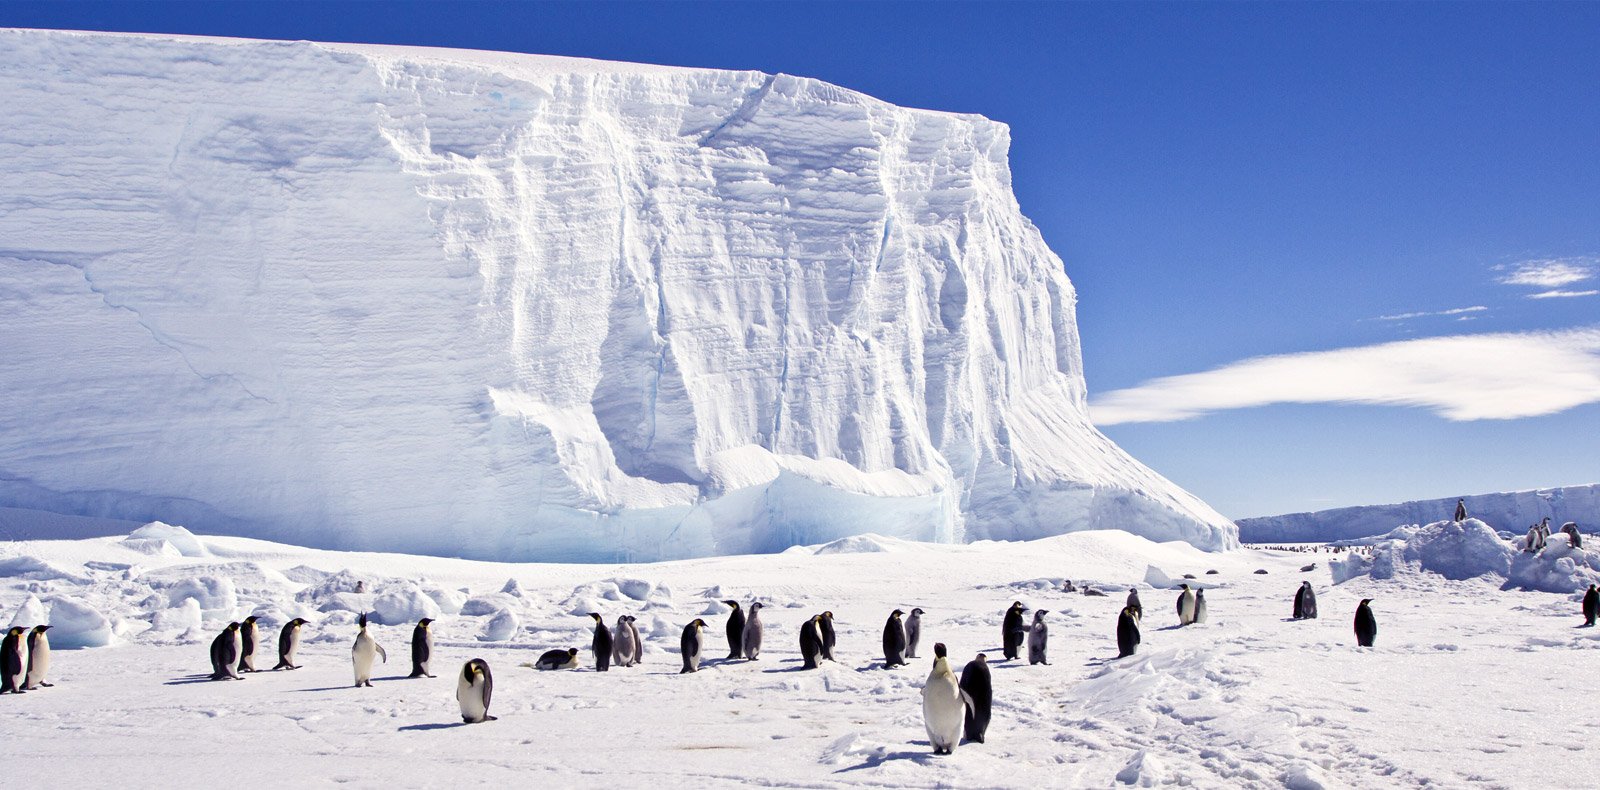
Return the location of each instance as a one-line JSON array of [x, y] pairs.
[[979, 689]]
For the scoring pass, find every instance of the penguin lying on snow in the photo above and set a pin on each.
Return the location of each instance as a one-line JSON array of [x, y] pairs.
[[558, 659], [288, 643], [474, 689]]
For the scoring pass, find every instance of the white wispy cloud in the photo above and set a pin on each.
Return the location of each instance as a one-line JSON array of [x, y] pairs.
[[1453, 311], [1498, 376], [1550, 272], [1561, 294]]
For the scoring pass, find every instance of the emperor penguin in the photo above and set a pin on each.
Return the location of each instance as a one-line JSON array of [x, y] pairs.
[[828, 636], [1570, 529], [638, 643], [1186, 606], [1012, 630], [1200, 605], [421, 649], [288, 643], [249, 638], [811, 643], [474, 689], [1038, 638], [225, 654], [558, 659], [690, 645], [913, 632], [1533, 539], [1305, 602], [894, 641], [943, 705], [602, 644], [622, 643], [1133, 603], [735, 629], [1591, 605], [1366, 624], [1461, 510], [752, 632], [38, 657], [363, 651], [979, 688], [1127, 633], [13, 662]]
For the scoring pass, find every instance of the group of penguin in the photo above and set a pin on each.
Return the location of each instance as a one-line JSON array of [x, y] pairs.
[[24, 659], [1539, 535]]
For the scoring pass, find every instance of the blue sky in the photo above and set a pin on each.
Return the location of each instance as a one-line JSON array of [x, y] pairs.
[[1368, 195]]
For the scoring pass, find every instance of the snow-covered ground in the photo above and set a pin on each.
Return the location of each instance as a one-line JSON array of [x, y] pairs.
[[1510, 510], [1469, 685]]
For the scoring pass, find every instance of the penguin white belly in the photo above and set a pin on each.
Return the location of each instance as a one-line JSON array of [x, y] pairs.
[[942, 710], [40, 668], [470, 695], [366, 649]]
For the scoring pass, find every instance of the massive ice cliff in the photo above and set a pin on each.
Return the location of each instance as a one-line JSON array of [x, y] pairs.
[[513, 306]]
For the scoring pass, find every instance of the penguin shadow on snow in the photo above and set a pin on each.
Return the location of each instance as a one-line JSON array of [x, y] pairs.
[[873, 761], [798, 666], [352, 685], [188, 679], [438, 725]]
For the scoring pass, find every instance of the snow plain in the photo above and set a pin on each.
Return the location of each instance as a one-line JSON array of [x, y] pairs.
[[1469, 685]]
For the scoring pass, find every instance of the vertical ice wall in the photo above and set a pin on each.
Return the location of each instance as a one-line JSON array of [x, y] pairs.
[[514, 306]]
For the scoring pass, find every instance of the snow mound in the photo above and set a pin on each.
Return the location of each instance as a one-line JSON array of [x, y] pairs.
[[184, 617], [502, 626], [150, 537], [35, 569], [74, 623], [488, 604], [866, 544], [403, 603], [449, 601], [1471, 549], [216, 595], [29, 614]]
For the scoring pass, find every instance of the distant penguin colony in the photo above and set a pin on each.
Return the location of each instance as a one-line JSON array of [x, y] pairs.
[[690, 644], [38, 657], [363, 652], [753, 632], [249, 637], [1366, 624], [288, 643], [225, 653], [1012, 631], [894, 641], [913, 632], [1591, 605], [474, 689], [13, 662], [735, 631], [979, 689], [602, 643], [1038, 638], [421, 649]]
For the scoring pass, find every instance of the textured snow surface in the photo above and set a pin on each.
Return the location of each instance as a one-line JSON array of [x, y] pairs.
[[1249, 699], [1469, 550], [1513, 511], [507, 306]]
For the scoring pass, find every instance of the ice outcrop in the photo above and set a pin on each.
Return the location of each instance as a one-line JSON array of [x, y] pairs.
[[1512, 511], [1472, 549], [521, 307]]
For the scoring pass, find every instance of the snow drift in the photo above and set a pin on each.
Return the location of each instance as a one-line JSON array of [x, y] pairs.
[[1472, 549], [1512, 511], [511, 306]]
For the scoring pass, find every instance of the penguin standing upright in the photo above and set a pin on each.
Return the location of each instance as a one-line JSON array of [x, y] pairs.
[[558, 659], [422, 649], [1134, 605], [1533, 539], [979, 688], [1200, 605], [225, 654], [690, 645], [13, 662], [1038, 638], [622, 643], [602, 644], [38, 657], [1591, 605], [894, 641], [638, 643], [943, 705], [1366, 624], [735, 631], [288, 643], [474, 689], [249, 639], [913, 632], [1305, 602], [1186, 606], [811, 642], [1012, 630], [363, 651], [828, 636], [1461, 510], [1570, 529], [1127, 633], [753, 631]]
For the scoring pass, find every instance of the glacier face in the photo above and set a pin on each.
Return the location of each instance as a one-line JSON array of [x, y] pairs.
[[525, 307], [1513, 511]]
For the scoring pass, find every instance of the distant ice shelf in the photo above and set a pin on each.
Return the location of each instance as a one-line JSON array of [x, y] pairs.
[[522, 307]]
